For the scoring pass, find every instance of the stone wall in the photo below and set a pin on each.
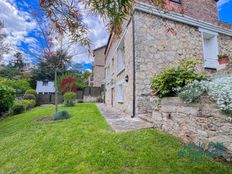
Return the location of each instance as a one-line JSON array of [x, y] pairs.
[[199, 123], [161, 43]]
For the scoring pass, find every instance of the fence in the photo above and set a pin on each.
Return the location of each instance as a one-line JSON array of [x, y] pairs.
[[89, 94]]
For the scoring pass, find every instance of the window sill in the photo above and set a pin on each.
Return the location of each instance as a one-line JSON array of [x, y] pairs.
[[120, 101], [120, 70]]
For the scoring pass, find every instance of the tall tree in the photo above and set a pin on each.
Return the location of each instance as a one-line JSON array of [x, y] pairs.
[[18, 63]]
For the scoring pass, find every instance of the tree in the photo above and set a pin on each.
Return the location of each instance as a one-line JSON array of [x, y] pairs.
[[18, 63], [56, 60], [4, 48], [65, 14]]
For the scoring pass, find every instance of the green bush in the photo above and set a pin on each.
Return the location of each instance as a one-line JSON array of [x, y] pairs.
[[62, 115], [175, 78], [28, 104], [17, 108], [20, 86], [31, 91], [70, 98], [29, 97], [7, 97]]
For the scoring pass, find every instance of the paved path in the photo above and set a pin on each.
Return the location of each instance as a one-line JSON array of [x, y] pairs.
[[121, 122]]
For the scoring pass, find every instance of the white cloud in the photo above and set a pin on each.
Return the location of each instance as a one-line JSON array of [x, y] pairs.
[[221, 3], [18, 24]]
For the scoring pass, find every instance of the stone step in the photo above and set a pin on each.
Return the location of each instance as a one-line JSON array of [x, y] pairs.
[[146, 117]]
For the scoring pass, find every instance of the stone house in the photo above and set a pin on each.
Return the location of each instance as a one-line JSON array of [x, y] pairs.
[[97, 76], [153, 38]]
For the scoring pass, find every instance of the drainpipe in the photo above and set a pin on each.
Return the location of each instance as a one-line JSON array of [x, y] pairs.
[[134, 87]]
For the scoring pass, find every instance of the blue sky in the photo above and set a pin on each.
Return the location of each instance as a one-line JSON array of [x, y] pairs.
[[23, 33]]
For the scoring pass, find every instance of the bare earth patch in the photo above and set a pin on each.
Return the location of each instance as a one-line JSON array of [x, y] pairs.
[[45, 119]]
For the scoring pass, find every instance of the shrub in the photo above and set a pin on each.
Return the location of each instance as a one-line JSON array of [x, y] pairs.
[[217, 88], [20, 86], [70, 98], [193, 91], [174, 79], [29, 97], [7, 97], [31, 91], [18, 108], [28, 104], [68, 85], [62, 115]]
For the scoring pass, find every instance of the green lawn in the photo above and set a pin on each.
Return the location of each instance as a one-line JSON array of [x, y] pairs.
[[86, 144]]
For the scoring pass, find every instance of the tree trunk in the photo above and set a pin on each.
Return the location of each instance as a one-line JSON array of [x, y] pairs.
[[56, 92]]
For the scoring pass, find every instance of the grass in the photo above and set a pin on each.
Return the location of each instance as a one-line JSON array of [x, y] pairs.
[[86, 144]]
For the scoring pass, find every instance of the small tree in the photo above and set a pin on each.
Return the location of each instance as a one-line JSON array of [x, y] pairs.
[[68, 85], [56, 60]]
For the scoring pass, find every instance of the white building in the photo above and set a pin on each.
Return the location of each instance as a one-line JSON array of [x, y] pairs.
[[45, 87]]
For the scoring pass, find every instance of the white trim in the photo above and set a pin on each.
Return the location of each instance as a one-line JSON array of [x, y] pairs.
[[121, 99], [214, 36], [208, 31], [180, 18]]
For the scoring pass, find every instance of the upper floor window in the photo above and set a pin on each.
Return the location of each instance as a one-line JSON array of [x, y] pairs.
[[45, 83], [121, 57]]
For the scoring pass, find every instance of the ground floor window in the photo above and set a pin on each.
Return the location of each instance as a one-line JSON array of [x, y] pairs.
[[120, 92]]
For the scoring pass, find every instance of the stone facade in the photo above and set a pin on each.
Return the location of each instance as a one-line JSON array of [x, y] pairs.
[[114, 76], [98, 66], [159, 42], [199, 123]]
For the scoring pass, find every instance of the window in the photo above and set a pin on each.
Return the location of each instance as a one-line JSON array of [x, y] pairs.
[[120, 92], [45, 83], [120, 60], [177, 1], [210, 48]]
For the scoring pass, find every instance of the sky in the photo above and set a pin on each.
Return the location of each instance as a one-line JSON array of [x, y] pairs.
[[23, 30]]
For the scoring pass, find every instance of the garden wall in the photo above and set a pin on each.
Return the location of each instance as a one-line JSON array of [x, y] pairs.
[[199, 123]]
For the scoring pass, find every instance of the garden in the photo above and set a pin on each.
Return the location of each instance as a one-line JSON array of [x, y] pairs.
[[190, 85], [85, 143]]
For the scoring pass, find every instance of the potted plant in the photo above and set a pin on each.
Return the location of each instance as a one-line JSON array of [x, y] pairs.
[[223, 59]]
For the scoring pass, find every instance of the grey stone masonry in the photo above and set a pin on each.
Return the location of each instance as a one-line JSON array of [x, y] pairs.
[[199, 123]]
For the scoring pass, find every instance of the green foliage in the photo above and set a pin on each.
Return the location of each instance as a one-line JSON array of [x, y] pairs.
[[62, 115], [20, 85], [173, 79], [7, 97], [9, 72], [18, 107], [29, 97], [31, 91], [70, 98], [193, 91], [28, 104]]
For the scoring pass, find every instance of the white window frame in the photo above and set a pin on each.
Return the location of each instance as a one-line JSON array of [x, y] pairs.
[[121, 57], [120, 93], [214, 61]]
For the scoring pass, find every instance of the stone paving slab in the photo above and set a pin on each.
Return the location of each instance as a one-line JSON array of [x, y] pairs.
[[122, 122]]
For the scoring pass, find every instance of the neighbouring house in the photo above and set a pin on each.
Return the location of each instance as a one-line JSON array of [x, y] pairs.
[[45, 87], [98, 66], [153, 38]]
